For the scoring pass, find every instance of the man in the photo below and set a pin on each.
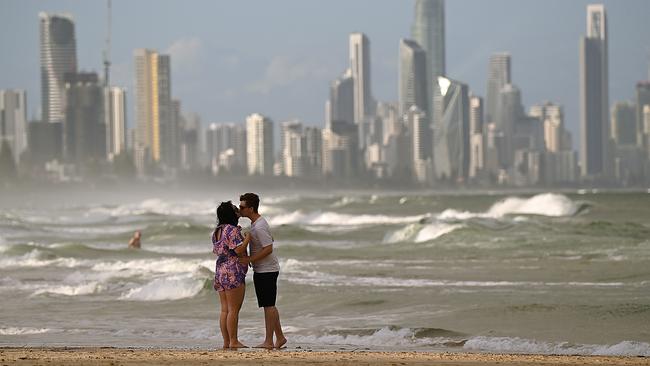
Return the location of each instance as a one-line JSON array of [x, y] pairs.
[[266, 269], [135, 240]]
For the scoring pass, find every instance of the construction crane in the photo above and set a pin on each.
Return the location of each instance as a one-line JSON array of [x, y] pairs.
[[107, 46]]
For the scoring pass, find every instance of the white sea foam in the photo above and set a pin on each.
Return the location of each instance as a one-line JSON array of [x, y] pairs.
[[419, 233], [167, 288], [520, 345], [546, 204], [403, 337], [36, 258], [149, 266], [23, 330], [337, 219], [72, 290], [434, 231]]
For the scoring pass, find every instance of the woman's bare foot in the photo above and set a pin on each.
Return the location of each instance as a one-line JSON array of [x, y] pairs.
[[225, 346], [265, 345], [280, 343], [235, 345]]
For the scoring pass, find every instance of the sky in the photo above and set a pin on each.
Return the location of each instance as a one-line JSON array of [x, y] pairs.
[[233, 58]]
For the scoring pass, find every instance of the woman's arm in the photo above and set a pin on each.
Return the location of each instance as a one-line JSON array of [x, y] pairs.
[[241, 248]]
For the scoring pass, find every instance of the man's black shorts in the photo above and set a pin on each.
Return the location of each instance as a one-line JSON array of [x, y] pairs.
[[266, 288]]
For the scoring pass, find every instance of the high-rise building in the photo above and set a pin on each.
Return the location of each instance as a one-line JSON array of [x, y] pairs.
[[552, 118], [477, 143], [429, 32], [259, 144], [451, 133], [642, 100], [226, 147], [499, 75], [412, 77], [153, 107], [594, 96], [420, 132], [341, 103], [13, 121], [293, 149], [623, 128], [314, 149], [340, 150], [58, 57], [45, 141], [84, 128], [189, 136], [360, 72], [115, 114], [508, 113]]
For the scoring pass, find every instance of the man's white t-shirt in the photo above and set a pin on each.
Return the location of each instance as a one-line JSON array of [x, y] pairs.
[[260, 238]]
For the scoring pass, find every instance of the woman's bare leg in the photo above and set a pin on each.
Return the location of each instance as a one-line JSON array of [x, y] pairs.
[[235, 298], [223, 316]]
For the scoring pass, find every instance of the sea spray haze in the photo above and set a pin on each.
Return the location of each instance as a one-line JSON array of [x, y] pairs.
[[545, 273]]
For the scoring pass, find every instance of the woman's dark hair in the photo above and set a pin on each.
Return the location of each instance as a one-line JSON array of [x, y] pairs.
[[226, 214]]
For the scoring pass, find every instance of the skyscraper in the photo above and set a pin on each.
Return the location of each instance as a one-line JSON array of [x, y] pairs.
[[115, 113], [451, 132], [412, 77], [58, 57], [84, 128], [13, 121], [476, 136], [552, 118], [259, 144], [429, 32], [508, 113], [360, 72], [623, 128], [420, 132], [642, 100], [594, 96], [293, 149], [341, 101], [499, 75], [153, 105]]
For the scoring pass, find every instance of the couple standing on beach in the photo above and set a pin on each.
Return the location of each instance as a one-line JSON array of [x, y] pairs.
[[231, 246]]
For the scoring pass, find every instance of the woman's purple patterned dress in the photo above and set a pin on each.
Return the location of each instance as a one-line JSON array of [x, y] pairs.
[[229, 273]]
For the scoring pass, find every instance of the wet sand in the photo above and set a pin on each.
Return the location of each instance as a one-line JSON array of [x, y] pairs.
[[125, 356]]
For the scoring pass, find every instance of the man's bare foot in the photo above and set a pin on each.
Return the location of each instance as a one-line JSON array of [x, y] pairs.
[[265, 345], [236, 345], [280, 343]]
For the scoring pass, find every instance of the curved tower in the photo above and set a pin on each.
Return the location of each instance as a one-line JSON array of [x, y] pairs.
[[58, 57]]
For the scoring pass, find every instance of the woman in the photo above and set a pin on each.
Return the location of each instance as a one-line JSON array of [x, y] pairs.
[[230, 275]]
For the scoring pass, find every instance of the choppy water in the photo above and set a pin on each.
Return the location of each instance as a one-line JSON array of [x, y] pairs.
[[549, 273]]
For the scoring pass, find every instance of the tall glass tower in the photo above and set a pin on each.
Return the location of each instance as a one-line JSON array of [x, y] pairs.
[[58, 57], [429, 32], [594, 96]]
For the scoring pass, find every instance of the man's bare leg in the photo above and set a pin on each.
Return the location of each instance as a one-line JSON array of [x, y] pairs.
[[269, 324], [280, 340]]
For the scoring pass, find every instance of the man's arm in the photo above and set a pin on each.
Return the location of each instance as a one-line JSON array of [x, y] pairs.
[[262, 253]]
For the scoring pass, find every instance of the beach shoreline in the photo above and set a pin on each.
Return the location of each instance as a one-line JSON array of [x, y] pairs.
[[138, 356]]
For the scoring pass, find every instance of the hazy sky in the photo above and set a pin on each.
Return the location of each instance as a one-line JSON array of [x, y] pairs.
[[230, 59]]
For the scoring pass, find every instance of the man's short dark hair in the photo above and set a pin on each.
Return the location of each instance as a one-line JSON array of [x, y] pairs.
[[252, 200]]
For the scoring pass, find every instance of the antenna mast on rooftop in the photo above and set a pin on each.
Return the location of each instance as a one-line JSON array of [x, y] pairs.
[[107, 46]]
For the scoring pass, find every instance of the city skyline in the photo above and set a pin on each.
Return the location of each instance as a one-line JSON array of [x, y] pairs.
[[274, 80]]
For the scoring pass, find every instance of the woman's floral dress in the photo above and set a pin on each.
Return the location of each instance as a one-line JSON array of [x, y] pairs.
[[229, 273]]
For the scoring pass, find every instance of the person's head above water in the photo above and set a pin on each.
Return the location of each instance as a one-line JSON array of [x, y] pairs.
[[227, 214]]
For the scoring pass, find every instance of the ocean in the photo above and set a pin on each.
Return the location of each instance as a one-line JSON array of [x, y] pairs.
[[545, 273]]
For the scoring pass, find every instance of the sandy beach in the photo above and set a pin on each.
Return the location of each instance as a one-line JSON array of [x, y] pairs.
[[124, 356]]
